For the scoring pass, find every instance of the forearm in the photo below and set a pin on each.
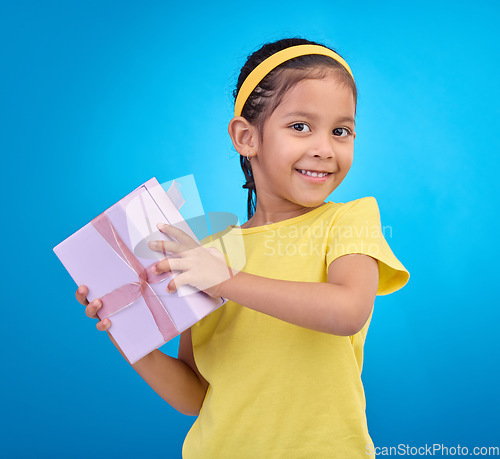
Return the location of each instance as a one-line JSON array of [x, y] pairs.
[[320, 306], [172, 379]]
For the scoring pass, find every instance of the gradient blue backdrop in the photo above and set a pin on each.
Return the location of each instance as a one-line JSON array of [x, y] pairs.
[[98, 96]]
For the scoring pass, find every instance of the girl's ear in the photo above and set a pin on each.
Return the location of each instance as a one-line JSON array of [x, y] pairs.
[[244, 136]]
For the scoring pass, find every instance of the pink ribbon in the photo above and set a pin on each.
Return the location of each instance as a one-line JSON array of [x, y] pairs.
[[127, 294]]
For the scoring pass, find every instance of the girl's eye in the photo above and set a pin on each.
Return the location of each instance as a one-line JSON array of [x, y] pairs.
[[301, 127], [341, 132]]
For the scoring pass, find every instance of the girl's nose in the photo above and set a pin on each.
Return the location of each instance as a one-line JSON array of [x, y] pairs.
[[323, 148]]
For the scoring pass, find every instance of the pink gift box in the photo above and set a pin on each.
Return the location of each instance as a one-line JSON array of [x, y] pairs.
[[111, 256]]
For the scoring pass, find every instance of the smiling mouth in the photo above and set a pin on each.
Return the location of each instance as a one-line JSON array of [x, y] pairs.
[[314, 173]]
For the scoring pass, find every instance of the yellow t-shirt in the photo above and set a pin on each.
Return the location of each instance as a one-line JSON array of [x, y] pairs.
[[277, 390]]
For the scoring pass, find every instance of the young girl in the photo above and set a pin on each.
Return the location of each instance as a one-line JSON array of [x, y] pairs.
[[276, 371]]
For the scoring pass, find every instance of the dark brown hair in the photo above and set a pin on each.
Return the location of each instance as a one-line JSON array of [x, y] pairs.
[[270, 91]]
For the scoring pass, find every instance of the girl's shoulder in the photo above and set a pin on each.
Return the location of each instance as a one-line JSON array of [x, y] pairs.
[[358, 211], [366, 201], [360, 206]]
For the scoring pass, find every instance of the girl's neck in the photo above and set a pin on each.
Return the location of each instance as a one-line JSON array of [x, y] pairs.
[[266, 217]]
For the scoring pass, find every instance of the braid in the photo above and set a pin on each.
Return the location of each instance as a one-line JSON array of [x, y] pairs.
[[246, 167]]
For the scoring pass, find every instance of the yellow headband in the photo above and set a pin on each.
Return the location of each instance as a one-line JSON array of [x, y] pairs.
[[259, 72]]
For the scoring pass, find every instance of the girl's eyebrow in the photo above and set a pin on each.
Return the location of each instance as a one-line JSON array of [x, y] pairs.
[[347, 119], [302, 114], [342, 119]]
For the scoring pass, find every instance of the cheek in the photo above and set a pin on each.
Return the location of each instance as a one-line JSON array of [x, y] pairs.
[[345, 162], [347, 156], [350, 159]]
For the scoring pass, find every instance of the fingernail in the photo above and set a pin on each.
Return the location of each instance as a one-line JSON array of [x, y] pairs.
[[153, 245], [80, 290], [162, 226], [95, 303]]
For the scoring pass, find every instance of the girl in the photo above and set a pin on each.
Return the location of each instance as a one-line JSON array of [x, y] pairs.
[[276, 371]]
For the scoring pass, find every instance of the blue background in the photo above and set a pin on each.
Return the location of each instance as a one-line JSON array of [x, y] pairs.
[[98, 96]]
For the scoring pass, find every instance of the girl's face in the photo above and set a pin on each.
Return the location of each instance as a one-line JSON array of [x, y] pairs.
[[307, 145]]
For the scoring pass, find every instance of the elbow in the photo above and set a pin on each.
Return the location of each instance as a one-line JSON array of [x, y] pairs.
[[191, 412], [356, 327], [347, 330], [343, 327], [362, 316], [192, 407], [352, 321]]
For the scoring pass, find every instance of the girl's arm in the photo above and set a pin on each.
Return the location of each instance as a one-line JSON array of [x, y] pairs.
[[177, 381], [340, 306]]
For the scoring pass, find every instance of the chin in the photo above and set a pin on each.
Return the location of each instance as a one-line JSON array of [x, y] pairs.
[[311, 202]]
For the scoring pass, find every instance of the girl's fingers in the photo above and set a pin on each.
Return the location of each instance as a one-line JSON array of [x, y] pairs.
[[165, 246], [81, 294], [177, 282], [169, 264], [92, 308], [162, 266], [103, 325], [179, 235], [171, 287]]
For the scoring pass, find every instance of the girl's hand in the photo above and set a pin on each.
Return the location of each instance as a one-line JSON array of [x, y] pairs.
[[92, 308], [91, 311], [203, 268]]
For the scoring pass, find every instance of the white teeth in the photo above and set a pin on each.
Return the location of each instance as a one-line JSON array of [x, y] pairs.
[[313, 174]]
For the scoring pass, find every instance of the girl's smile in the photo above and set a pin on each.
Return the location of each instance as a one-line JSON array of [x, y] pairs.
[[314, 176], [306, 148]]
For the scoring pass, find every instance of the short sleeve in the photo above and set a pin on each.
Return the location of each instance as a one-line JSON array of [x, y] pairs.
[[357, 229]]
